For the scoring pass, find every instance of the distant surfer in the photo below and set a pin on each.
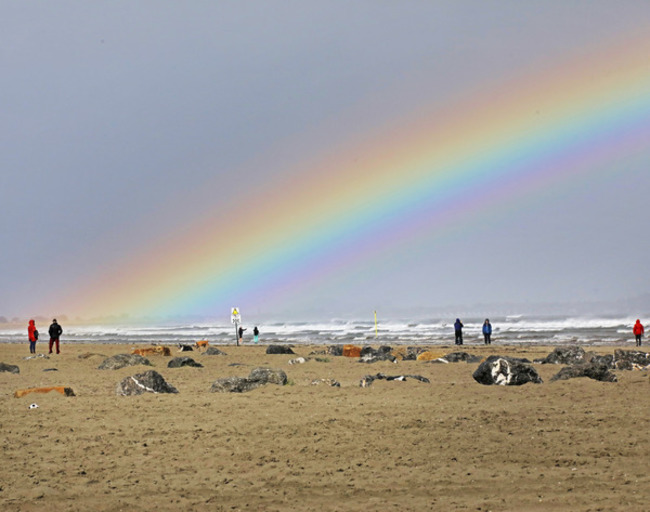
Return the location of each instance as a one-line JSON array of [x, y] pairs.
[[241, 334], [256, 334], [458, 331], [487, 331], [638, 332]]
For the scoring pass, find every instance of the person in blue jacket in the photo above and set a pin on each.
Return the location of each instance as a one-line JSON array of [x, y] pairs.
[[487, 331], [458, 331]]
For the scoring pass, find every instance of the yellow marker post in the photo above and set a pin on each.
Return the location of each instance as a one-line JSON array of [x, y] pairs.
[[376, 334]]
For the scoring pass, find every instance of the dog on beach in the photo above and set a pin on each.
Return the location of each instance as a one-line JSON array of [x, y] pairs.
[[202, 344]]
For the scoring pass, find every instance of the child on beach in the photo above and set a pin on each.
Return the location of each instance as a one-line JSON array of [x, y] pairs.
[[33, 336], [638, 332]]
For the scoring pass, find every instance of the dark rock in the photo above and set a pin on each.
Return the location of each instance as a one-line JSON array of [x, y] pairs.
[[383, 353], [279, 349], [268, 376], [214, 351], [628, 359], [456, 357], [369, 379], [147, 382], [505, 371], [235, 385], [51, 370], [565, 355], [122, 361], [592, 370], [411, 353], [335, 350], [11, 368], [329, 382], [179, 362], [606, 360]]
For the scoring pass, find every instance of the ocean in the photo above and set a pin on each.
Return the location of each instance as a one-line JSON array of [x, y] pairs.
[[519, 329]]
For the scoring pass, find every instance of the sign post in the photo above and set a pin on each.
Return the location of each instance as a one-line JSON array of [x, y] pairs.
[[376, 334], [235, 318]]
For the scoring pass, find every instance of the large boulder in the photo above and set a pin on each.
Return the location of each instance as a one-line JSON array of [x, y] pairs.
[[630, 359], [279, 349], [591, 370], [11, 368], [565, 355], [122, 361], [179, 362], [148, 382], [505, 371], [258, 377]]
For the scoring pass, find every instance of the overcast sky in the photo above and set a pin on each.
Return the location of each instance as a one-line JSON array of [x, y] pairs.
[[121, 120]]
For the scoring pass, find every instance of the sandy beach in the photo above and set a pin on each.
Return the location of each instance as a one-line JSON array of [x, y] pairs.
[[451, 444]]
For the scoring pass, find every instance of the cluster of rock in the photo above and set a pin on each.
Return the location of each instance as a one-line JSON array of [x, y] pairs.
[[258, 377], [369, 379], [214, 351], [371, 355], [122, 361], [147, 382], [455, 357], [279, 349]]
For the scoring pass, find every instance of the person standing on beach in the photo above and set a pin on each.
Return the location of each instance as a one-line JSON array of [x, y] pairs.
[[487, 331], [638, 332], [33, 336], [256, 334], [458, 331], [241, 334], [55, 333]]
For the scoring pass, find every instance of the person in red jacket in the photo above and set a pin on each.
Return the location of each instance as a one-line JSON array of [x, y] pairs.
[[33, 336], [638, 332]]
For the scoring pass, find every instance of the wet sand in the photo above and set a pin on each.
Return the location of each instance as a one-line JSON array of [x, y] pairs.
[[453, 444]]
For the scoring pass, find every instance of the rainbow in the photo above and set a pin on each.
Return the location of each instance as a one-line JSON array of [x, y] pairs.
[[421, 178]]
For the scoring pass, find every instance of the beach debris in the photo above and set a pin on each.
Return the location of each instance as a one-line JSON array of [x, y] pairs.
[[351, 351], [11, 368], [410, 353], [591, 370], [371, 355], [158, 350], [335, 350], [202, 344], [37, 356], [33, 406], [179, 362], [369, 379], [258, 377], [51, 370], [148, 382], [214, 351], [279, 349], [329, 382], [185, 348], [565, 355], [299, 360], [65, 391], [505, 371], [122, 361]]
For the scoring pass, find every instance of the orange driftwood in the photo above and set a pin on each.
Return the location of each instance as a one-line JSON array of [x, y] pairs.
[[61, 389], [152, 351], [351, 351], [202, 344], [430, 355]]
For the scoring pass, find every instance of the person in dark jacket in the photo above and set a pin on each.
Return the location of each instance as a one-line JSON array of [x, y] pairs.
[[487, 331], [458, 331], [638, 332], [241, 334], [55, 333], [256, 334], [33, 336]]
